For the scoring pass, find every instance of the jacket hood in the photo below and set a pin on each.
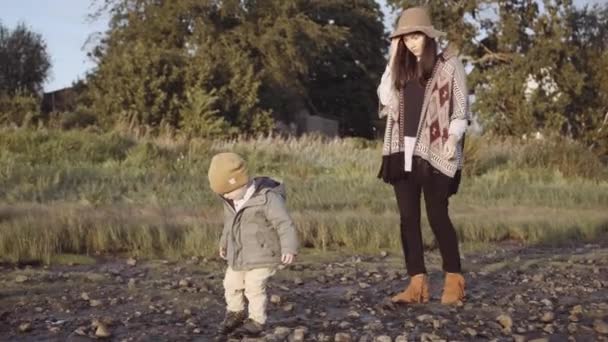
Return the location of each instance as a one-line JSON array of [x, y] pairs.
[[265, 184]]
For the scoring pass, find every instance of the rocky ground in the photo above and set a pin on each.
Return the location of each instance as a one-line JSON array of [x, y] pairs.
[[514, 293]]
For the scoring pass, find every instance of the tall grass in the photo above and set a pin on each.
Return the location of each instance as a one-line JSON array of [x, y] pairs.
[[86, 193]]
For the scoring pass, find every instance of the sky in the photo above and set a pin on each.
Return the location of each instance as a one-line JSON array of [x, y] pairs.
[[66, 27]]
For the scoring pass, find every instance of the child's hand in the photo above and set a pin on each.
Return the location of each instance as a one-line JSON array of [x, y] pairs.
[[223, 253], [288, 258]]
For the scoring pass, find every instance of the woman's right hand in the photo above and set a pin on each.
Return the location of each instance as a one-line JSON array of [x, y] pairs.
[[223, 253]]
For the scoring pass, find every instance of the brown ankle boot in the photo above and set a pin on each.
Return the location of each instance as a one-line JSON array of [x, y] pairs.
[[453, 290], [416, 292]]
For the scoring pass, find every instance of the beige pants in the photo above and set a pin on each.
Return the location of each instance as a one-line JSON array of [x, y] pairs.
[[253, 284]]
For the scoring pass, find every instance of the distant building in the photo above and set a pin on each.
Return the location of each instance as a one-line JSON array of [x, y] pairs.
[[62, 100], [302, 121]]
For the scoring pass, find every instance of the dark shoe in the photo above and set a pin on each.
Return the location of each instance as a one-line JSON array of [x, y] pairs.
[[232, 320], [250, 328]]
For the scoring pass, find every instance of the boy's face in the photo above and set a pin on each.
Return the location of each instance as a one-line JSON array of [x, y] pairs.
[[236, 194]]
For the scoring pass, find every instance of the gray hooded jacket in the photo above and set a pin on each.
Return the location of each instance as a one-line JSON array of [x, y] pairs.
[[262, 230]]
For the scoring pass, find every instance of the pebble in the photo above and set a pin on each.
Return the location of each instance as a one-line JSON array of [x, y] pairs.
[[275, 299], [299, 334], [282, 332], [25, 327], [21, 279], [600, 327], [364, 285], [102, 331], [519, 338], [342, 337], [424, 318], [82, 331], [547, 317], [95, 302], [506, 321]]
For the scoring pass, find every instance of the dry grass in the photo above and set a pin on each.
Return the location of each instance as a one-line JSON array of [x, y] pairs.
[[83, 193]]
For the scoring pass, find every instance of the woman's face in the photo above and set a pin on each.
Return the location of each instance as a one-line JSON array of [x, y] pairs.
[[415, 43]]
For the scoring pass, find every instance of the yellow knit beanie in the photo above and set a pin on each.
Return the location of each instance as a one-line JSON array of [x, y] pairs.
[[227, 173]]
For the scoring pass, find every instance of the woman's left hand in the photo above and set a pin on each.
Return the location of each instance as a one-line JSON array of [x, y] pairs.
[[449, 147]]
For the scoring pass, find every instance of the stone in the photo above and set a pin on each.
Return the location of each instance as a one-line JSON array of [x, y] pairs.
[[21, 279], [600, 327], [282, 332], [364, 285], [344, 325], [275, 299], [81, 331], [471, 332], [519, 338], [547, 317], [102, 331], [577, 310], [547, 302], [95, 302], [342, 337], [299, 334], [25, 327], [424, 318], [538, 278], [131, 262], [505, 321]]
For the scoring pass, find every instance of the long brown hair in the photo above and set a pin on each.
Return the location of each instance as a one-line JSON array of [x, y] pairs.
[[407, 67]]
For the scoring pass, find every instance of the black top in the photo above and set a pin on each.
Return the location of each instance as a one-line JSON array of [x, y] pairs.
[[412, 100], [393, 165]]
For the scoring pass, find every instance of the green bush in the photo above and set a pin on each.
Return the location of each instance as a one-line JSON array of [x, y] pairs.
[[19, 110]]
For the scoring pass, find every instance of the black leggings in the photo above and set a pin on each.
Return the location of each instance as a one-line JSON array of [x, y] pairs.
[[437, 189]]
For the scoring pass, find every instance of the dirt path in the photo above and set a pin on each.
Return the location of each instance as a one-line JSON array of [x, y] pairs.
[[514, 293]]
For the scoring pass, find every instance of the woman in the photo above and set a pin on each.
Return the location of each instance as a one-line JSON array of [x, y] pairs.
[[424, 97]]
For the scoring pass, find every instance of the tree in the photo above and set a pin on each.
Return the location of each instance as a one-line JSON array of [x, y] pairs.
[[262, 60], [198, 118], [343, 81], [535, 65], [24, 61], [156, 52]]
